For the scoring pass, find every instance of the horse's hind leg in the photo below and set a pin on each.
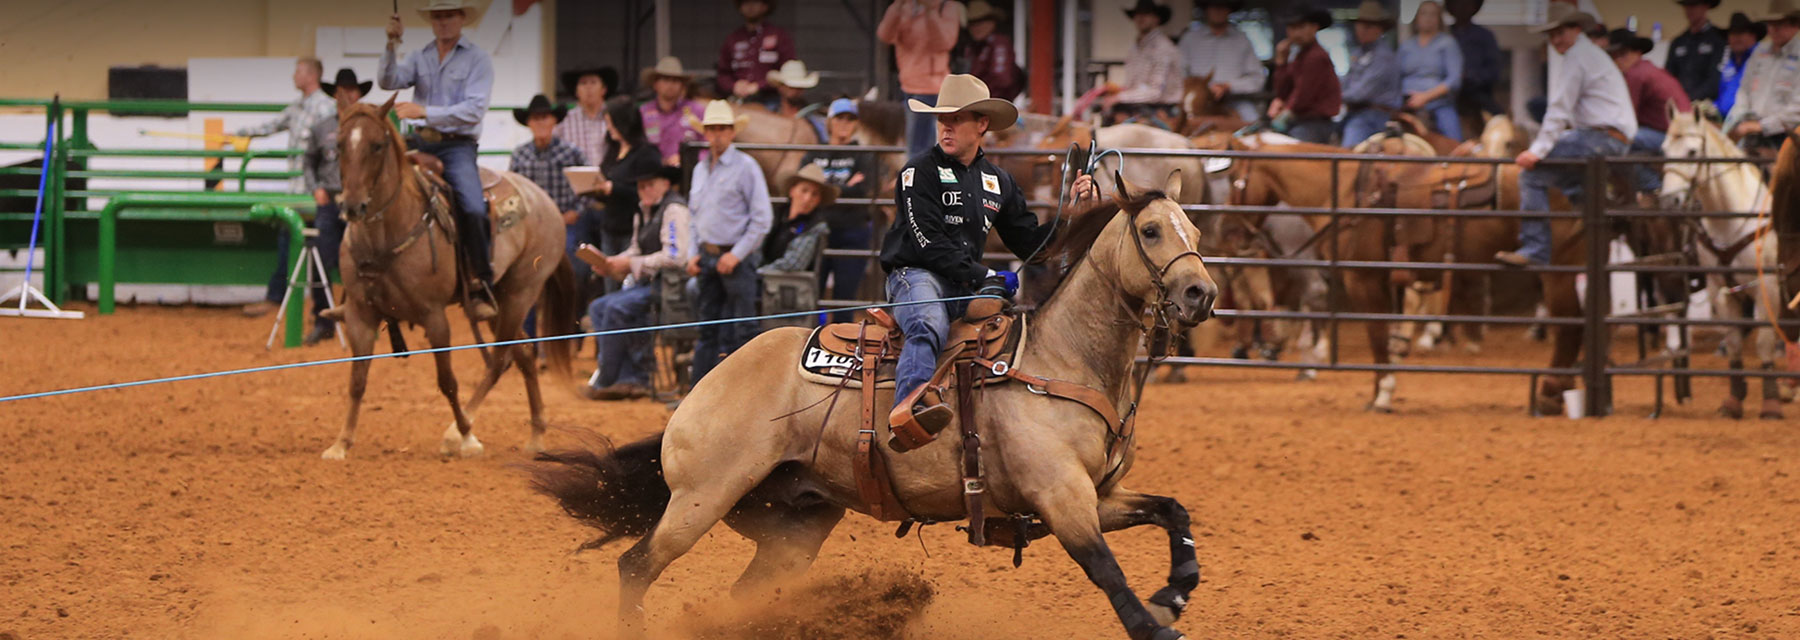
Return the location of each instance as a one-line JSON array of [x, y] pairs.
[[787, 541], [526, 360], [1123, 509], [1071, 510], [1769, 352], [361, 334], [507, 327], [460, 438]]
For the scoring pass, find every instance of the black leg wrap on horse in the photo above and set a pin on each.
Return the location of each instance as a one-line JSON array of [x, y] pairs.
[[1103, 570], [1739, 388], [1771, 387]]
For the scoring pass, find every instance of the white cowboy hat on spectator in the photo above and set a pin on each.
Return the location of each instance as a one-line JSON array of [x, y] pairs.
[[719, 114], [668, 67], [828, 194], [793, 74], [962, 92], [1780, 10], [470, 9], [1563, 14]]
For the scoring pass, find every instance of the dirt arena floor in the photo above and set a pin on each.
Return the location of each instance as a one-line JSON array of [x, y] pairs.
[[201, 510]]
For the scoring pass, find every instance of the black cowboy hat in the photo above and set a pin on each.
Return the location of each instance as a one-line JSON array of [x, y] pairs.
[[539, 104], [1710, 4], [1621, 40], [1150, 6], [1308, 13], [608, 76], [1742, 22], [666, 172], [346, 77], [1234, 5], [1478, 4]]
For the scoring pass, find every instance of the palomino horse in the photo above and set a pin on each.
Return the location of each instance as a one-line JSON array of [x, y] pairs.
[[399, 265], [1736, 242], [758, 446]]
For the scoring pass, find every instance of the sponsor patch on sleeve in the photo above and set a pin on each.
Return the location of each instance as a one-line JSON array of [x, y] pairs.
[[991, 183], [906, 178]]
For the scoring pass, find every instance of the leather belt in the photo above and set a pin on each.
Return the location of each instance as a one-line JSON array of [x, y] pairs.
[[434, 136], [713, 249], [1616, 135]]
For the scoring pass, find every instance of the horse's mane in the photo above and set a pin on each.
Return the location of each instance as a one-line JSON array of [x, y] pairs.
[[1074, 241]]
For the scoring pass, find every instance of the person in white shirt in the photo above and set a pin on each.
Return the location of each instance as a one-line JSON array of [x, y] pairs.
[[1216, 49], [1768, 99], [1153, 71], [1589, 114]]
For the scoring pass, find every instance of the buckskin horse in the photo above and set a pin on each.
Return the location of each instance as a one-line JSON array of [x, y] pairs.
[[758, 444], [399, 264]]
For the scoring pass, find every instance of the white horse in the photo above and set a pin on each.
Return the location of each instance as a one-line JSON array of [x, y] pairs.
[[1738, 242]]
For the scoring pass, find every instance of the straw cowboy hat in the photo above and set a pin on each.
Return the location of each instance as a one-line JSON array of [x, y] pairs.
[[668, 67], [1375, 12], [828, 194], [346, 77], [539, 104], [962, 92], [719, 114], [1563, 14], [1780, 10], [980, 10], [468, 7], [793, 74], [1162, 11]]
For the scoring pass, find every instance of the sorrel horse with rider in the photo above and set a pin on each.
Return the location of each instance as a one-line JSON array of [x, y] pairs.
[[776, 463], [400, 265]]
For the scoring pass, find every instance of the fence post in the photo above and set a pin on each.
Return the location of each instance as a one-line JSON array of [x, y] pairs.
[[56, 272], [1598, 302]]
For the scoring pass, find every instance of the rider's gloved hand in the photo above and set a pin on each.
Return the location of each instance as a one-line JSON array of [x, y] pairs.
[[1000, 283]]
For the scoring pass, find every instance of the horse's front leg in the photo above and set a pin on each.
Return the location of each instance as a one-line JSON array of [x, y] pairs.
[[360, 329], [460, 437], [1072, 512], [1123, 509]]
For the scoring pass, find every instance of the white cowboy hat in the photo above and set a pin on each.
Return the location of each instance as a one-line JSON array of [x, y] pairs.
[[793, 74], [963, 92], [470, 9], [719, 114], [1780, 10]]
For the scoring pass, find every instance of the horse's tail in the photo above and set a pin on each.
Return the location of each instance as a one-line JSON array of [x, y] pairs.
[[559, 317], [619, 491]]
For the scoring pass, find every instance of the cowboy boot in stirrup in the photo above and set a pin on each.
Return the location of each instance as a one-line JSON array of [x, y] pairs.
[[916, 425], [481, 301]]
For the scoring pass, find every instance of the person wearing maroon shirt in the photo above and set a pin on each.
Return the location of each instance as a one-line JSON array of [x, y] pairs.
[[751, 52], [990, 53], [1652, 90], [1307, 94]]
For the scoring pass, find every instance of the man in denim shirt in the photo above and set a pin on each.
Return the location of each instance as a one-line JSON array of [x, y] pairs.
[[1372, 88], [730, 202], [451, 80]]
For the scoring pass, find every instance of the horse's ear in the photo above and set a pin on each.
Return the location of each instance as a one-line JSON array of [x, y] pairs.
[[1673, 112], [1172, 186], [1125, 189], [387, 107]]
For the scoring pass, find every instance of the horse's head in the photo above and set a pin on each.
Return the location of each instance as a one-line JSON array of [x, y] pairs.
[[1153, 247], [1197, 98], [1690, 136], [369, 152], [1498, 136]]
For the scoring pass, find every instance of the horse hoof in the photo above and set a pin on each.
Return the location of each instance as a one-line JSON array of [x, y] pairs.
[[1472, 347], [1166, 633], [471, 447], [1307, 375], [535, 445], [1381, 409], [1166, 606], [336, 452], [1731, 410], [1771, 409], [451, 443]]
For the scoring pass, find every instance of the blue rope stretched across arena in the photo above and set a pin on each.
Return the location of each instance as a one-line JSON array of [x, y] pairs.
[[374, 356]]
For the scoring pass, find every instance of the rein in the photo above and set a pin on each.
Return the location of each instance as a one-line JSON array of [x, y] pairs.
[[419, 229]]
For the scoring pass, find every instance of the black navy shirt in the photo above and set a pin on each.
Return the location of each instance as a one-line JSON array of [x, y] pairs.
[[1694, 61], [945, 211]]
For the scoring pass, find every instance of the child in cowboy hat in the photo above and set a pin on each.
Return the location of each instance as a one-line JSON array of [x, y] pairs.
[[948, 198], [796, 240], [543, 159]]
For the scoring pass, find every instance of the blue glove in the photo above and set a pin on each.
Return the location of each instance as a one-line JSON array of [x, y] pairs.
[[1000, 283]]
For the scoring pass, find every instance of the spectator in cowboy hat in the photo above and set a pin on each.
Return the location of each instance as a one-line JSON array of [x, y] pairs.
[[990, 52], [791, 81], [1695, 54], [923, 33], [663, 243], [543, 159], [1372, 88], [1153, 71], [1652, 91], [1768, 100], [345, 89], [1588, 114], [585, 126], [1741, 38], [730, 200], [452, 80], [1307, 93], [1431, 71], [1481, 61], [320, 168], [667, 117], [751, 52], [1215, 49], [795, 242]]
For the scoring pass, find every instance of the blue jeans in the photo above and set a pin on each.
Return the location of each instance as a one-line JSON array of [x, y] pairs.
[[1647, 142], [624, 358], [1362, 123], [1244, 108], [1316, 131], [921, 128], [722, 296], [331, 236], [846, 274], [1535, 185], [459, 170], [925, 326], [1442, 114]]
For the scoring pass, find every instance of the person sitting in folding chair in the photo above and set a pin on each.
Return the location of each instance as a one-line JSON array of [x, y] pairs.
[[661, 243], [799, 235]]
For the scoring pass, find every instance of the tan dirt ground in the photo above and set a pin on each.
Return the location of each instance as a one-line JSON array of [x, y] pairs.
[[201, 510]]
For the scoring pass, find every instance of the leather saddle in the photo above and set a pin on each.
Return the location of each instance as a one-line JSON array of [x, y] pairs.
[[833, 352], [505, 201]]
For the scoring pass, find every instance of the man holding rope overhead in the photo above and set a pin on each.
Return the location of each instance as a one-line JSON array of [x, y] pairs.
[[949, 197], [452, 80]]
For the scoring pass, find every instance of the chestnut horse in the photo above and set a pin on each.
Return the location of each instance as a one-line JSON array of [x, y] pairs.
[[399, 265], [758, 446]]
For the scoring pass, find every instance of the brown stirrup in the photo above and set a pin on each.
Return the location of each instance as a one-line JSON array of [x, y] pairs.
[[873, 484]]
